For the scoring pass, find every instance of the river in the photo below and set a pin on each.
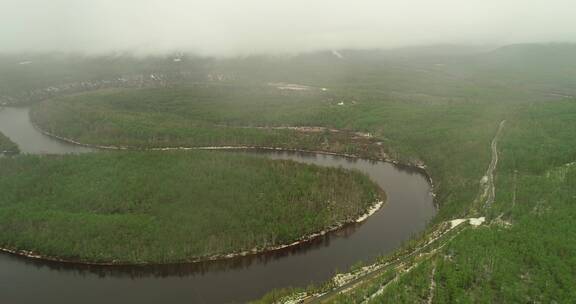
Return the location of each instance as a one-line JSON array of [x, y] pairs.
[[408, 209]]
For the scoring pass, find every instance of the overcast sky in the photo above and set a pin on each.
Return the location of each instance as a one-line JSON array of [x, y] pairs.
[[230, 27]]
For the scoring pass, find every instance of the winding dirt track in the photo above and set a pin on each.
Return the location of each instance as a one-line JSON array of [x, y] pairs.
[[402, 265], [490, 188]]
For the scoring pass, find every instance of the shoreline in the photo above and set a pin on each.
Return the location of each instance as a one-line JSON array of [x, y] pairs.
[[372, 208], [422, 167]]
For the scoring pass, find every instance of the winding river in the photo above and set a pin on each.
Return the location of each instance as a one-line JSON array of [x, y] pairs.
[[407, 211]]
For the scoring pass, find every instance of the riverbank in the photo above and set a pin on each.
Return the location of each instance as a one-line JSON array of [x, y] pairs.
[[307, 238], [319, 198], [255, 251], [381, 156]]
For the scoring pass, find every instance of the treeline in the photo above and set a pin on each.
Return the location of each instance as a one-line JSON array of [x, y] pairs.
[[161, 207]]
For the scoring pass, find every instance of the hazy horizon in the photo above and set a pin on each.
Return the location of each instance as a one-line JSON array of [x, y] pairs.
[[227, 28]]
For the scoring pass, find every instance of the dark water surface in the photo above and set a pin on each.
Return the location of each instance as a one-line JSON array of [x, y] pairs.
[[407, 211]]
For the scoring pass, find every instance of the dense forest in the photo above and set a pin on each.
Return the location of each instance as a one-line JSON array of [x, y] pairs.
[[166, 207], [441, 110], [525, 253], [236, 115]]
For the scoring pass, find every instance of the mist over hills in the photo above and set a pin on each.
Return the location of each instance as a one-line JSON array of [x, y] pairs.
[[549, 68]]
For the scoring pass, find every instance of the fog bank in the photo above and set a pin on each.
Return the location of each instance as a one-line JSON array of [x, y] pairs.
[[227, 27]]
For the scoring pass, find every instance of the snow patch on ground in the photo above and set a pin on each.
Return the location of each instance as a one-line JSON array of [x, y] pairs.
[[344, 278], [456, 222], [473, 221], [370, 211], [502, 223], [477, 221], [561, 95], [289, 86]]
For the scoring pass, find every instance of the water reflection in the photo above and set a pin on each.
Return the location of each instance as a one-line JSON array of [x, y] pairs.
[[188, 269]]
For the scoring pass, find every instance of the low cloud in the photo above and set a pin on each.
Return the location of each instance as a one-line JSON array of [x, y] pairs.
[[228, 27]]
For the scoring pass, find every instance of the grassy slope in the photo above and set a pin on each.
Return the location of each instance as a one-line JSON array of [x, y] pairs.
[[169, 207], [6, 145]]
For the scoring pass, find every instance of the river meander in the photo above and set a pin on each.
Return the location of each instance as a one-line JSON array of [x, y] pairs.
[[408, 209]]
